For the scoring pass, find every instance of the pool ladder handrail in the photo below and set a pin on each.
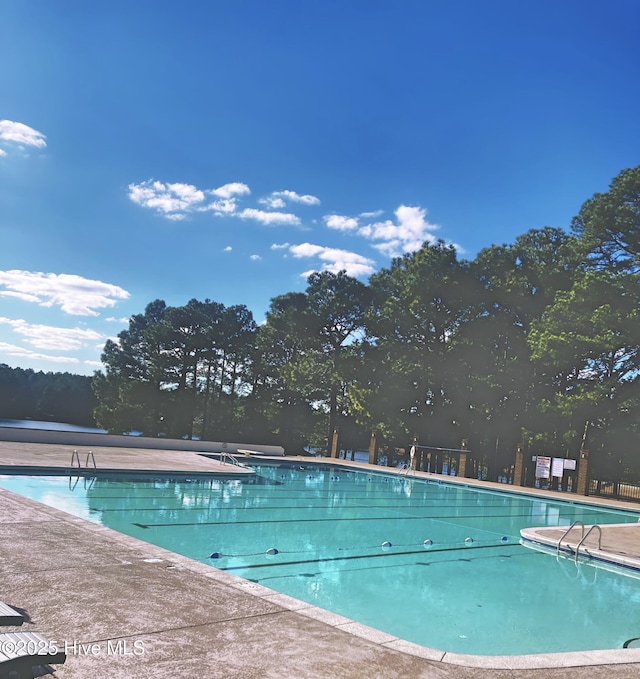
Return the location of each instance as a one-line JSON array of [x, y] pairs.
[[564, 535], [595, 525], [90, 456], [228, 457], [583, 537]]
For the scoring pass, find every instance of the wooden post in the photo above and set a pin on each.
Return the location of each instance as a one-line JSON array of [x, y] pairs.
[[413, 455], [373, 447], [334, 443], [462, 464], [583, 464], [518, 468]]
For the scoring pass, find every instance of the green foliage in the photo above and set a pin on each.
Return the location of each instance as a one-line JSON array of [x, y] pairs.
[[609, 225], [177, 371], [514, 284], [405, 382], [54, 397], [587, 345], [302, 348], [524, 344]]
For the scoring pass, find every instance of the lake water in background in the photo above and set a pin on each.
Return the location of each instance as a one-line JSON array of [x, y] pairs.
[[51, 426], [359, 456]]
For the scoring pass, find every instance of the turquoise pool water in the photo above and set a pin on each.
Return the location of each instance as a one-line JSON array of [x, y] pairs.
[[438, 564]]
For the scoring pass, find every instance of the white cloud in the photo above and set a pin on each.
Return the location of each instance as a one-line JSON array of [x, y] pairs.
[[94, 364], [225, 206], [230, 190], [170, 200], [73, 294], [22, 352], [269, 218], [278, 199], [176, 201], [255, 258], [280, 246], [20, 133], [306, 250], [294, 197], [25, 297], [407, 234], [272, 203], [51, 338], [341, 223], [2, 153], [334, 259], [228, 249]]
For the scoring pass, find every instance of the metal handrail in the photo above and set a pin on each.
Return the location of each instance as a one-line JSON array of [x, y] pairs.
[[75, 457], [595, 525], [224, 457], [564, 535]]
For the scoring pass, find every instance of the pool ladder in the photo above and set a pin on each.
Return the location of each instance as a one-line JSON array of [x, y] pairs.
[[75, 457], [583, 537], [227, 457]]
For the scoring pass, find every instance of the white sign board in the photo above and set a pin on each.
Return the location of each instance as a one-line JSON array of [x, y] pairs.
[[557, 467], [543, 467], [570, 464]]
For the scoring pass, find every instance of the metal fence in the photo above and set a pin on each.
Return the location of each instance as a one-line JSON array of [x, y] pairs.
[[619, 490], [447, 462]]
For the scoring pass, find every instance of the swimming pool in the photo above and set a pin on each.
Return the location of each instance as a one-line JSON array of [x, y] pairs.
[[431, 562]]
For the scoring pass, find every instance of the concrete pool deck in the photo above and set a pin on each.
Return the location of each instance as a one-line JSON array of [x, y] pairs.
[[61, 456], [125, 608]]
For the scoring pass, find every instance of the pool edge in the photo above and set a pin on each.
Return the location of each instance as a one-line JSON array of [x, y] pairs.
[[539, 661]]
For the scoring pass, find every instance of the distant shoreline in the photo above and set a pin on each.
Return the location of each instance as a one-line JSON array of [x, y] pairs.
[[51, 426], [97, 439]]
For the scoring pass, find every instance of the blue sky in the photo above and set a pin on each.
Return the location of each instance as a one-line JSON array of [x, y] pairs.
[[224, 150]]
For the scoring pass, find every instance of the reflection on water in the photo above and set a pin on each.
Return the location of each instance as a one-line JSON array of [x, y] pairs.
[[433, 563]]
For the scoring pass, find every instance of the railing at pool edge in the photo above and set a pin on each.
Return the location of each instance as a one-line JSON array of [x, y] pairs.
[[595, 525], [564, 535], [90, 456], [583, 537], [228, 457]]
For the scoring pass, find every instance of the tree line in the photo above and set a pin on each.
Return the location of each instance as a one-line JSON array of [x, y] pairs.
[[530, 343], [53, 397]]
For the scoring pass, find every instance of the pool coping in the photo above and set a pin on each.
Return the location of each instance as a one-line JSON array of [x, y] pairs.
[[539, 661], [234, 472], [543, 537]]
